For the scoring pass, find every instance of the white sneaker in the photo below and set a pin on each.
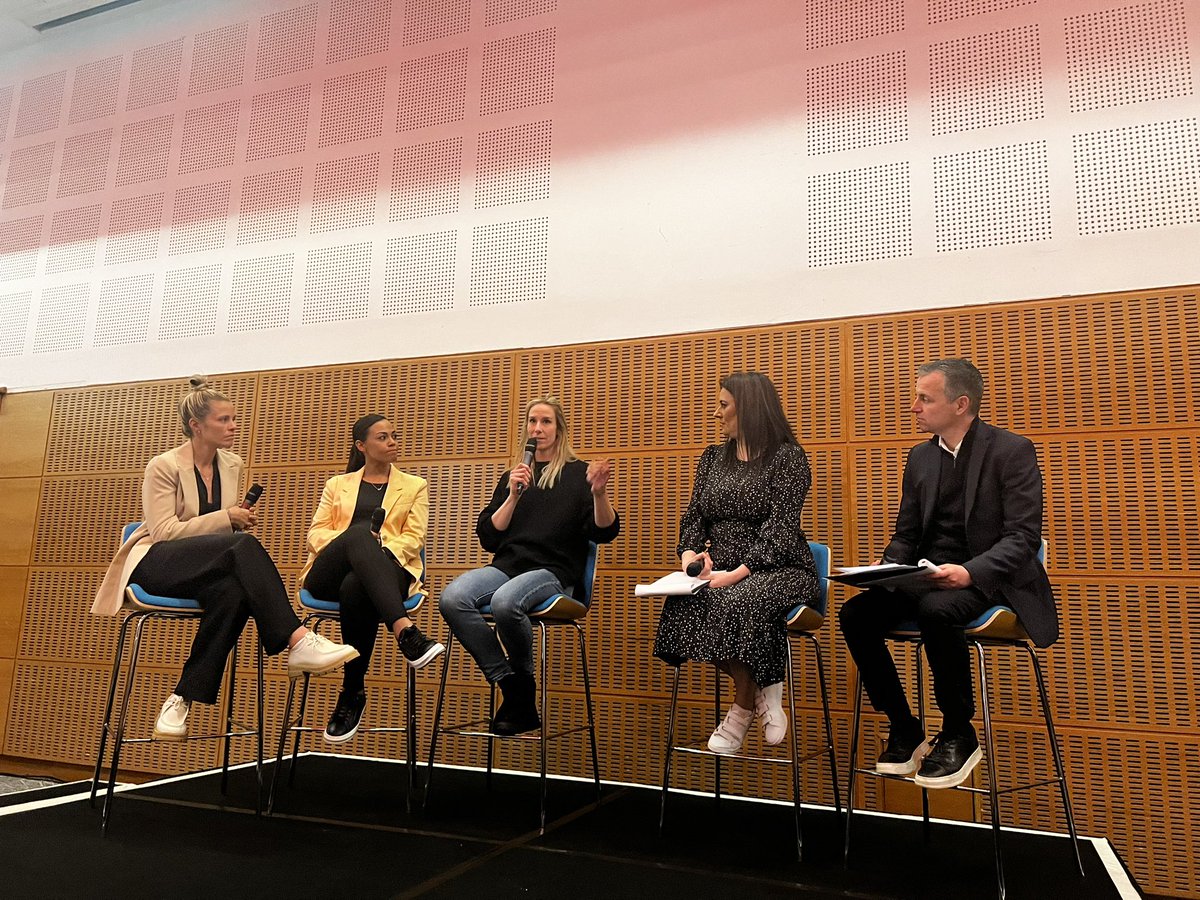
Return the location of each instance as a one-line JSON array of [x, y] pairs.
[[172, 719], [768, 706], [729, 734], [314, 654]]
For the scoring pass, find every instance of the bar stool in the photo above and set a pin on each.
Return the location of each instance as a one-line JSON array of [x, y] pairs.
[[144, 607], [559, 611], [803, 621], [318, 611], [997, 627]]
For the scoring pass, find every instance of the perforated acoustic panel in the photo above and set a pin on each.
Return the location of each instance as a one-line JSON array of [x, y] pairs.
[[496, 12], [40, 106], [73, 239], [344, 195], [841, 21], [509, 261], [1142, 176], [84, 166], [61, 318], [6, 102], [286, 42], [145, 150], [512, 165], [133, 229], [986, 80], [518, 72], [947, 10], [94, 89], [860, 215], [14, 322], [189, 303], [419, 273], [270, 208], [985, 198], [199, 218], [218, 59], [352, 107], [154, 75], [20, 240], [857, 103], [337, 283], [261, 295], [278, 122], [1130, 54], [357, 28], [433, 90], [29, 171], [431, 20], [426, 180], [123, 314], [209, 137]]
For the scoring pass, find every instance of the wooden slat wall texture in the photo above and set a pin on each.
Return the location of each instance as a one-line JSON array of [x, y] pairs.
[[1102, 384]]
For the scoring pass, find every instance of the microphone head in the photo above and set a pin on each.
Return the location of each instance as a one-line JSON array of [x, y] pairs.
[[377, 519], [695, 567], [252, 495], [531, 447]]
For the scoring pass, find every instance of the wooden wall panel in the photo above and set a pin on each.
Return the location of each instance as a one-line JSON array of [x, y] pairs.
[[1120, 474], [24, 423], [18, 513]]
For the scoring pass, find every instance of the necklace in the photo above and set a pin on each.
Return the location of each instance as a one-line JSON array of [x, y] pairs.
[[378, 487]]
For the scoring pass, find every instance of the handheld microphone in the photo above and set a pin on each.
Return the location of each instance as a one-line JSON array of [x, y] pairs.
[[252, 495], [377, 520], [527, 459], [695, 567]]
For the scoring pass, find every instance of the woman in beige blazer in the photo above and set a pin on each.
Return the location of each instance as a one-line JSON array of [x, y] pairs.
[[369, 572], [194, 543]]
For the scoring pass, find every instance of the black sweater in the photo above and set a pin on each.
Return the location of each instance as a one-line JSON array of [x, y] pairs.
[[550, 529]]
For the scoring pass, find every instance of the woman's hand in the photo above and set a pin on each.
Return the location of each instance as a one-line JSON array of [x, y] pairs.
[[519, 480], [728, 579], [242, 519], [599, 471], [689, 557]]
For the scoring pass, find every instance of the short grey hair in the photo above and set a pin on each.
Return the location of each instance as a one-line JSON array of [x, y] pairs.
[[961, 378]]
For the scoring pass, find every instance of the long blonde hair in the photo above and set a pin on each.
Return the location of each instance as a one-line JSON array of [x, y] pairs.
[[563, 451], [197, 402]]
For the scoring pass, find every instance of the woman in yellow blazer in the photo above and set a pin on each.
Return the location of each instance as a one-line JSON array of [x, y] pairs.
[[369, 573], [193, 543]]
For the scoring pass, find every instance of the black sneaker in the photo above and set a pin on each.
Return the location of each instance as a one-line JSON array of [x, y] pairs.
[[950, 761], [518, 713], [419, 650], [343, 724], [903, 753]]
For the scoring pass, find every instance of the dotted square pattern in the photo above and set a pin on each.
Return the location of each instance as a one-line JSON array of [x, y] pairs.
[[14, 322], [218, 59], [509, 262], [344, 193], [860, 215], [270, 207], [433, 90], [832, 22], [28, 179], [261, 296], [61, 319], [986, 80], [496, 12], [40, 107], [1130, 54], [431, 20], [6, 100], [948, 10], [857, 103], [337, 283], [145, 150], [123, 314], [1141, 176], [419, 273], [985, 198], [189, 304], [518, 72], [94, 90], [20, 240], [199, 218], [154, 75], [73, 237], [84, 167], [426, 180], [512, 165], [209, 137], [358, 28], [133, 229], [286, 42], [352, 107], [278, 122]]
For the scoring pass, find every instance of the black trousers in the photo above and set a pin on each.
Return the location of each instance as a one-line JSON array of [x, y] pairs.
[[867, 618], [371, 588], [233, 578]]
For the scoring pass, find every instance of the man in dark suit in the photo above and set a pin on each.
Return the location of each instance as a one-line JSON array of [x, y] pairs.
[[972, 504]]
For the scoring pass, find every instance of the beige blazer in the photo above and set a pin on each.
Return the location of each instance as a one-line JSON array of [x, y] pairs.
[[171, 505], [407, 503]]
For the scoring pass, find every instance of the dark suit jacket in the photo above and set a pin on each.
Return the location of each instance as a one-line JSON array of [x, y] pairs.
[[1003, 520]]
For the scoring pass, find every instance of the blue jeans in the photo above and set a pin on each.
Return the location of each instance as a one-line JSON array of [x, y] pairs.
[[511, 600]]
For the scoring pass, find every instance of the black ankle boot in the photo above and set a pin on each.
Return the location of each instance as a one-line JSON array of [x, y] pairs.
[[518, 712]]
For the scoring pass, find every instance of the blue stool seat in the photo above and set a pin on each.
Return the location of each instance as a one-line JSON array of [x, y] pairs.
[[139, 596], [998, 623], [309, 602], [559, 608]]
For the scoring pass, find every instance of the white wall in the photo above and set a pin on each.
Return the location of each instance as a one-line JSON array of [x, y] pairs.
[[687, 164]]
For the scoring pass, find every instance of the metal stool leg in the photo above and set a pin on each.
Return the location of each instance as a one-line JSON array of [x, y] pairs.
[[993, 794], [106, 725], [853, 766], [833, 775], [437, 721], [119, 737], [921, 717], [791, 686], [410, 735], [283, 733], [296, 735], [229, 695], [1060, 769], [542, 730], [258, 761], [591, 717], [670, 749], [717, 709]]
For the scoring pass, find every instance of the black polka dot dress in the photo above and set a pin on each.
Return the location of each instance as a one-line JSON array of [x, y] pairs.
[[751, 516]]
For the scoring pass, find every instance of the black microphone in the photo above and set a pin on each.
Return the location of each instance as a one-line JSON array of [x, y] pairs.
[[377, 520], [527, 459], [695, 567], [252, 495]]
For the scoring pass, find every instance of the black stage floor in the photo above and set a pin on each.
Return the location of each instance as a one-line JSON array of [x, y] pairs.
[[343, 831]]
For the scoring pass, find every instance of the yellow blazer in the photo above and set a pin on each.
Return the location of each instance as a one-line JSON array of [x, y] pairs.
[[171, 506], [407, 503]]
